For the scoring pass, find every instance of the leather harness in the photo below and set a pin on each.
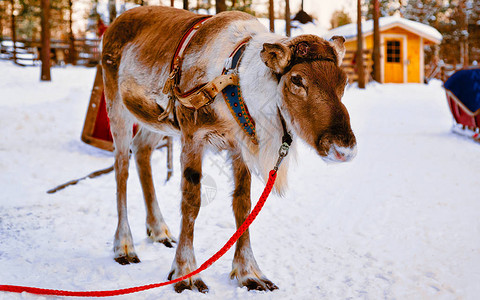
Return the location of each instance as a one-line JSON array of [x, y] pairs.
[[203, 95], [228, 84]]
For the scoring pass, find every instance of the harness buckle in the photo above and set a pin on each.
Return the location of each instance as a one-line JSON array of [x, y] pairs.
[[208, 96], [228, 63], [282, 152], [171, 81]]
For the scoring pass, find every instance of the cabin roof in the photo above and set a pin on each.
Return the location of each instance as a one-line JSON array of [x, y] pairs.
[[349, 31]]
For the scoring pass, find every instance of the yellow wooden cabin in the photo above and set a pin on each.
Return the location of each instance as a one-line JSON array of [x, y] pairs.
[[402, 45]]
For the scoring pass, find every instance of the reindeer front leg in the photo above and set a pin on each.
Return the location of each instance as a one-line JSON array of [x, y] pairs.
[[244, 266], [184, 262]]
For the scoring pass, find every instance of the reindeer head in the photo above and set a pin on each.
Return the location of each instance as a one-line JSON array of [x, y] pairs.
[[312, 83]]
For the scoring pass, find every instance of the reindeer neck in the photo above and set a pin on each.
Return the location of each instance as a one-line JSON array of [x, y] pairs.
[[260, 89], [262, 94]]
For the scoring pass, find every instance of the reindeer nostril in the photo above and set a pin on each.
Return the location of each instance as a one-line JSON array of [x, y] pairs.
[[344, 153], [339, 155]]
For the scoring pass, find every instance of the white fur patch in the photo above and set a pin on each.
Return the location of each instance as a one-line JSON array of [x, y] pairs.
[[263, 97], [338, 154]]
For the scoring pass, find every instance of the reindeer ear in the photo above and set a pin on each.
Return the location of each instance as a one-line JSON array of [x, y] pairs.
[[337, 43], [276, 56]]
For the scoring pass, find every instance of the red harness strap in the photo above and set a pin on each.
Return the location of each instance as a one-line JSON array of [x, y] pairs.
[[176, 64], [177, 58], [251, 217]]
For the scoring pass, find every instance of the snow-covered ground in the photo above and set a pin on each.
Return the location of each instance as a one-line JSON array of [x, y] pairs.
[[399, 222]]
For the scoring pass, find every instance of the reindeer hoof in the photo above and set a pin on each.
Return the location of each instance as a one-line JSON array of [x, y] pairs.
[[249, 276], [125, 253], [125, 260], [181, 286], [167, 242], [254, 284], [162, 236], [189, 284], [201, 286]]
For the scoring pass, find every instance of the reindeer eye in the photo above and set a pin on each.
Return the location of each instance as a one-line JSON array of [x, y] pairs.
[[297, 80]]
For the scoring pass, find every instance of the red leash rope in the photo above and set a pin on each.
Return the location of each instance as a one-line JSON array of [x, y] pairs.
[[32, 290]]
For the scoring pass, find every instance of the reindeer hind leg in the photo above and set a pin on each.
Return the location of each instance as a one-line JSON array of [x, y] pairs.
[[121, 126], [144, 143]]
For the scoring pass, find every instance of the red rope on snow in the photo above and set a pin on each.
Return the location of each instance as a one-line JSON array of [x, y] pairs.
[[251, 217]]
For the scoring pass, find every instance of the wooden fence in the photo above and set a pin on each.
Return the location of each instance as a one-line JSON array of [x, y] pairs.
[[349, 65], [87, 52], [439, 70], [27, 52]]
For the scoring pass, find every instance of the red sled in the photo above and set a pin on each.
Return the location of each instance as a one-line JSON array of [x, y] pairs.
[[96, 128], [463, 96]]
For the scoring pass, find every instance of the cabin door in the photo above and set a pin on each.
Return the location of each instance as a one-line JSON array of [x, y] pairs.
[[394, 70]]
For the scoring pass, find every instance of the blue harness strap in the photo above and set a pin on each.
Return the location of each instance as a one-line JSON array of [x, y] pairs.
[[233, 97]]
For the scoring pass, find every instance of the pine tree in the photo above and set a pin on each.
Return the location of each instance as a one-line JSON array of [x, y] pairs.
[[242, 5], [387, 8], [340, 18], [359, 55], [288, 27], [112, 11], [220, 6], [473, 24], [28, 19], [45, 53], [271, 15], [452, 25], [423, 11]]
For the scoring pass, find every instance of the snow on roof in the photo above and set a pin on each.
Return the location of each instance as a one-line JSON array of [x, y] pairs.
[[349, 31]]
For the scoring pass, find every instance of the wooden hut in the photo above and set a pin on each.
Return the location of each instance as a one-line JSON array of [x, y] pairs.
[[402, 45]]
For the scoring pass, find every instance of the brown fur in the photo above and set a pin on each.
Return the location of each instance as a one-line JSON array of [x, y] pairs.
[[327, 82], [137, 51]]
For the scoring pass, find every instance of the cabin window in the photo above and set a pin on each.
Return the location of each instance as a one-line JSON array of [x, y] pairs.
[[393, 51]]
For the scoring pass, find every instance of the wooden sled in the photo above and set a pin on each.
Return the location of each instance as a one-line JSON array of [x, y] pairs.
[[463, 96], [96, 128]]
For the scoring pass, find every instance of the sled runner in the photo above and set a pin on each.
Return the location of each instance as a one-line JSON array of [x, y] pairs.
[[463, 96]]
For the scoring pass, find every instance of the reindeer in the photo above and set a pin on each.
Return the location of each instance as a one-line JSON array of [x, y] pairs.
[[295, 81]]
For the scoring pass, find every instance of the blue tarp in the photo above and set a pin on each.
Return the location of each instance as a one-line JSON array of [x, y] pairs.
[[465, 84]]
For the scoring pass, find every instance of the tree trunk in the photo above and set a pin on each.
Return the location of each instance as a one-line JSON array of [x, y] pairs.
[[288, 27], [220, 6], [14, 31], [376, 42], [185, 4], [45, 53], [465, 58], [112, 10], [72, 55], [359, 57], [2, 13], [271, 16], [462, 54]]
